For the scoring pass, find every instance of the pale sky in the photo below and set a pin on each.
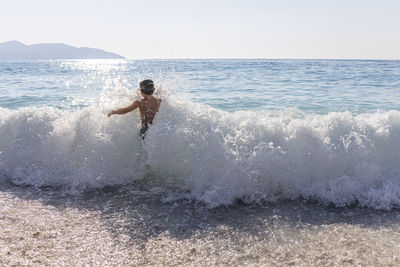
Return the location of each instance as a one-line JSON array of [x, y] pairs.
[[338, 29]]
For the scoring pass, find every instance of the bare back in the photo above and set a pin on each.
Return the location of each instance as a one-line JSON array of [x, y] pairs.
[[148, 108]]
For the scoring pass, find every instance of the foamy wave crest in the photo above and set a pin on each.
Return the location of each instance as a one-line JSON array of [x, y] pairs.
[[215, 156]]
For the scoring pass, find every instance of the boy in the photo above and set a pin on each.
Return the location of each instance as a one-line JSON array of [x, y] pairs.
[[148, 106]]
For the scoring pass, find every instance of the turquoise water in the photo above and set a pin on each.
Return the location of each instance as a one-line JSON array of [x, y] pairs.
[[254, 130], [288, 153], [313, 86]]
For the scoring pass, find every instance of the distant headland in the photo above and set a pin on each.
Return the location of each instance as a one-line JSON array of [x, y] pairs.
[[14, 50]]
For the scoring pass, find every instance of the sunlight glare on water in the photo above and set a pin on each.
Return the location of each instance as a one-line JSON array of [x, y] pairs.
[[248, 162], [313, 86]]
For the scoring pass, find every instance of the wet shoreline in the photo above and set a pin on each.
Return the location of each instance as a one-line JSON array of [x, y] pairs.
[[130, 227]]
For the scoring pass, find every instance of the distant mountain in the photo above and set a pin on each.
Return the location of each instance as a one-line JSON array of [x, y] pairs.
[[14, 50]]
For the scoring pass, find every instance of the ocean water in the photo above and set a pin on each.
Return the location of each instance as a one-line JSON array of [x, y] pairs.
[[258, 131], [247, 163], [312, 86]]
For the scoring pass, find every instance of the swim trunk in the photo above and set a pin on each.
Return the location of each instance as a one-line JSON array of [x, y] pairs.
[[143, 131]]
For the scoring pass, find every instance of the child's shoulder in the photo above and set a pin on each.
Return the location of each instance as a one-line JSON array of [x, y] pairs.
[[158, 100], [138, 103]]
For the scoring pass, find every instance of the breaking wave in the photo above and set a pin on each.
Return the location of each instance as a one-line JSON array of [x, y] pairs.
[[214, 156]]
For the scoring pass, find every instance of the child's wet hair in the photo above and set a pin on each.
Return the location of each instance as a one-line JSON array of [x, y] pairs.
[[147, 87]]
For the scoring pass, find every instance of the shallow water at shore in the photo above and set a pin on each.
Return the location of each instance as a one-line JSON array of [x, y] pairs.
[[129, 226], [249, 162]]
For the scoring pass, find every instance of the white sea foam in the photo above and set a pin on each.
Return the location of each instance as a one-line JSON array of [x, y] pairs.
[[215, 156]]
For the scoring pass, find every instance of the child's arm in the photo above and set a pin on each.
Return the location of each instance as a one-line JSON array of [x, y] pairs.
[[125, 110]]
